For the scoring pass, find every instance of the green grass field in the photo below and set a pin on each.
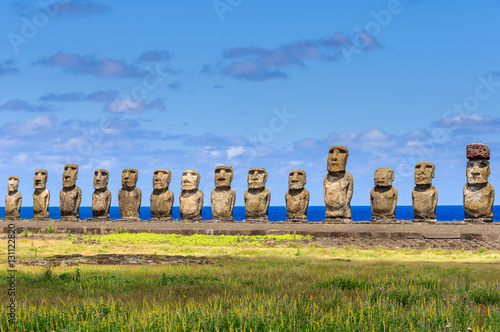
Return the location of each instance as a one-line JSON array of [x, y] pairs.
[[254, 284]]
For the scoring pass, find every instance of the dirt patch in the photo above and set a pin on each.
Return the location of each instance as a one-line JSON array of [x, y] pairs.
[[80, 240], [115, 259]]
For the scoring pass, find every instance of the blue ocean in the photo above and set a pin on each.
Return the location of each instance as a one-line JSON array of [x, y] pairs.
[[276, 213]]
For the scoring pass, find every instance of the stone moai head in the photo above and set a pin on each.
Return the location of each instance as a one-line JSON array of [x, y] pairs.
[[70, 175], [223, 176], [101, 178], [161, 179], [129, 178], [13, 183], [424, 173], [40, 179], [477, 171], [337, 158], [257, 177], [384, 177], [190, 180], [297, 179], [478, 166]]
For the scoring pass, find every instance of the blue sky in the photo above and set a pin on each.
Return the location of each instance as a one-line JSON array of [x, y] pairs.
[[167, 84]]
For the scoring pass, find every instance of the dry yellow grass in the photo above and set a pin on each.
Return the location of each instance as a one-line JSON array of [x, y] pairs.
[[37, 246]]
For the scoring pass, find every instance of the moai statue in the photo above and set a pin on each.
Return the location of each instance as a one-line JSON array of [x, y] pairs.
[[223, 196], [257, 196], [337, 185], [13, 199], [478, 193], [129, 196], [101, 197], [41, 196], [424, 196], [297, 197], [191, 198], [384, 197], [70, 196], [162, 199]]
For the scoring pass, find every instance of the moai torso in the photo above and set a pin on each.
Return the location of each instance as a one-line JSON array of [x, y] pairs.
[[478, 193], [223, 196], [297, 197], [383, 197], [257, 196], [424, 202], [13, 203], [69, 202], [129, 202], [101, 197], [129, 196], [191, 203], [338, 189], [101, 202], [70, 196], [257, 203], [162, 202], [297, 201], [222, 203], [383, 200], [424, 195], [161, 199], [338, 184], [13, 199], [191, 198], [478, 201], [41, 196]]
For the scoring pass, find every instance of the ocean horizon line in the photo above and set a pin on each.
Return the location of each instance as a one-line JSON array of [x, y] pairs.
[[276, 213]]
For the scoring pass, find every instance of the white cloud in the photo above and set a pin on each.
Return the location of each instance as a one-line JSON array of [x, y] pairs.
[[127, 105], [234, 151], [30, 127]]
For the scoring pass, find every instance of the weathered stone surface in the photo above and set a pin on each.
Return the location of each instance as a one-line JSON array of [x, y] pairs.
[[129, 196], [191, 198], [337, 158], [101, 197], [70, 196], [471, 236], [442, 235], [424, 195], [13, 199], [478, 151], [297, 197], [162, 199], [257, 196], [478, 193], [337, 185], [223, 196], [383, 197], [41, 196]]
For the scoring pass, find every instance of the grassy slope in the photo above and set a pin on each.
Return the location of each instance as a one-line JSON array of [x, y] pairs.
[[256, 285]]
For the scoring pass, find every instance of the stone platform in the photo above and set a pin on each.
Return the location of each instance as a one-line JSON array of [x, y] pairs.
[[399, 234]]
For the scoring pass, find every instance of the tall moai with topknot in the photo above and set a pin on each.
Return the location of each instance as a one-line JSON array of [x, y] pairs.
[[478, 193]]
